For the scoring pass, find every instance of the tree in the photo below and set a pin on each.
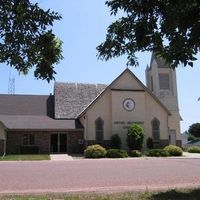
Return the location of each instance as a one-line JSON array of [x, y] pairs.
[[26, 38], [169, 28], [194, 130], [135, 137]]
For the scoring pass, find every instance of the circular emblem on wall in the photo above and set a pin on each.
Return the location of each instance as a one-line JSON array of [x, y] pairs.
[[128, 104]]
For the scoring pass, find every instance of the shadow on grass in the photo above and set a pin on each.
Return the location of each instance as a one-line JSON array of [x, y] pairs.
[[178, 194], [182, 194]]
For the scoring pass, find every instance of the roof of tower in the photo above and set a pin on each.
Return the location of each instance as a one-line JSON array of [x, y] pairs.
[[160, 61]]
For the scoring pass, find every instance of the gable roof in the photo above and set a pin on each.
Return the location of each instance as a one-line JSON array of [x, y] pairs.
[[38, 122], [160, 61], [72, 98], [143, 86], [26, 105], [32, 112]]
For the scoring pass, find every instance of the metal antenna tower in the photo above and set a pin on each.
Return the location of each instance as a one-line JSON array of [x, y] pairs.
[[11, 84]]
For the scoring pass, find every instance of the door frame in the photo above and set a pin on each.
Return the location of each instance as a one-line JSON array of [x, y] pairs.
[[57, 143]]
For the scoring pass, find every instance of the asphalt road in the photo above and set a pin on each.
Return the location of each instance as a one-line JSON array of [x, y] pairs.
[[98, 175]]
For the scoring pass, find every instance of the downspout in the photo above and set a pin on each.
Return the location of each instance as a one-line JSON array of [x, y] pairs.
[[4, 147], [86, 130], [169, 137]]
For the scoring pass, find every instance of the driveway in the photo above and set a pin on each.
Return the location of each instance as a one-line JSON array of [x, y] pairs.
[[98, 175]]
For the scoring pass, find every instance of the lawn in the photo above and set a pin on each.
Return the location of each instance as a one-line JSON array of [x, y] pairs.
[[23, 157], [181, 194]]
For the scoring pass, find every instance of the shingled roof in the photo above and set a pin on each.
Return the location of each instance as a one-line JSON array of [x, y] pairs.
[[38, 122], [32, 112], [160, 61], [72, 98], [27, 105]]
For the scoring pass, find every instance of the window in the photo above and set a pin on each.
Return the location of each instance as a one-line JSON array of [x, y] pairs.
[[155, 129], [28, 139], [164, 81], [99, 130]]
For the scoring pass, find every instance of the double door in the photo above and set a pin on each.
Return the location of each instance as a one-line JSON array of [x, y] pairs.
[[58, 143]]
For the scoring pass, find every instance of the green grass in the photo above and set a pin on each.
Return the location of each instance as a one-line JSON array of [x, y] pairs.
[[23, 157], [178, 194]]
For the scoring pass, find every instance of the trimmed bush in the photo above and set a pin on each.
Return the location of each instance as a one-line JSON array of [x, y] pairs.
[[193, 149], [95, 151], [135, 153], [158, 153], [135, 137], [174, 150], [149, 143], [115, 142], [116, 153]]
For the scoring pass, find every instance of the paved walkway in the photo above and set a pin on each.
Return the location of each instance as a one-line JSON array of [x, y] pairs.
[[60, 157], [191, 155], [66, 157]]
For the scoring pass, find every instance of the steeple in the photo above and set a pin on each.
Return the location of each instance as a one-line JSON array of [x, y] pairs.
[[161, 80]]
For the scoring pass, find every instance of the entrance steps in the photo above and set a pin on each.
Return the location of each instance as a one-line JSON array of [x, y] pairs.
[[60, 157]]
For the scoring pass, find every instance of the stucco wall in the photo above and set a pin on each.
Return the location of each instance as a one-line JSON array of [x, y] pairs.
[[154, 110], [116, 119], [122, 119], [101, 108], [168, 97]]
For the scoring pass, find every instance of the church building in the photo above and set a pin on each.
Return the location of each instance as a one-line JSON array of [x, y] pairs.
[[78, 115]]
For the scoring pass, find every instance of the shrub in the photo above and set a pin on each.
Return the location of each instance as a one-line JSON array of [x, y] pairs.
[[174, 150], [135, 153], [135, 137], [149, 143], [116, 153], [193, 149], [115, 142], [95, 151], [158, 153]]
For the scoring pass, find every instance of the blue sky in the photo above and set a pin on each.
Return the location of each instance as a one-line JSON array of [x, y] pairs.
[[82, 28]]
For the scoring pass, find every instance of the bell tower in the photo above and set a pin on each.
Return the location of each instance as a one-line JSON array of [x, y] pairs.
[[161, 80]]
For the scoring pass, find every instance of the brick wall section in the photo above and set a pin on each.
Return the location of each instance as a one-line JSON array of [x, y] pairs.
[[42, 139], [14, 141], [72, 142], [164, 143], [1, 147], [179, 143]]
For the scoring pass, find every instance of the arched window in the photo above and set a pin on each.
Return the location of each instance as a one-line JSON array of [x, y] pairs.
[[155, 129], [99, 130]]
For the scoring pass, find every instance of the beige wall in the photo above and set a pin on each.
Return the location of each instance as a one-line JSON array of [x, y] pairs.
[[122, 119], [101, 108], [2, 132], [116, 119], [154, 110], [126, 82]]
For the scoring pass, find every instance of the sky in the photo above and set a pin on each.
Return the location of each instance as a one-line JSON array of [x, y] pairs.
[[82, 29]]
